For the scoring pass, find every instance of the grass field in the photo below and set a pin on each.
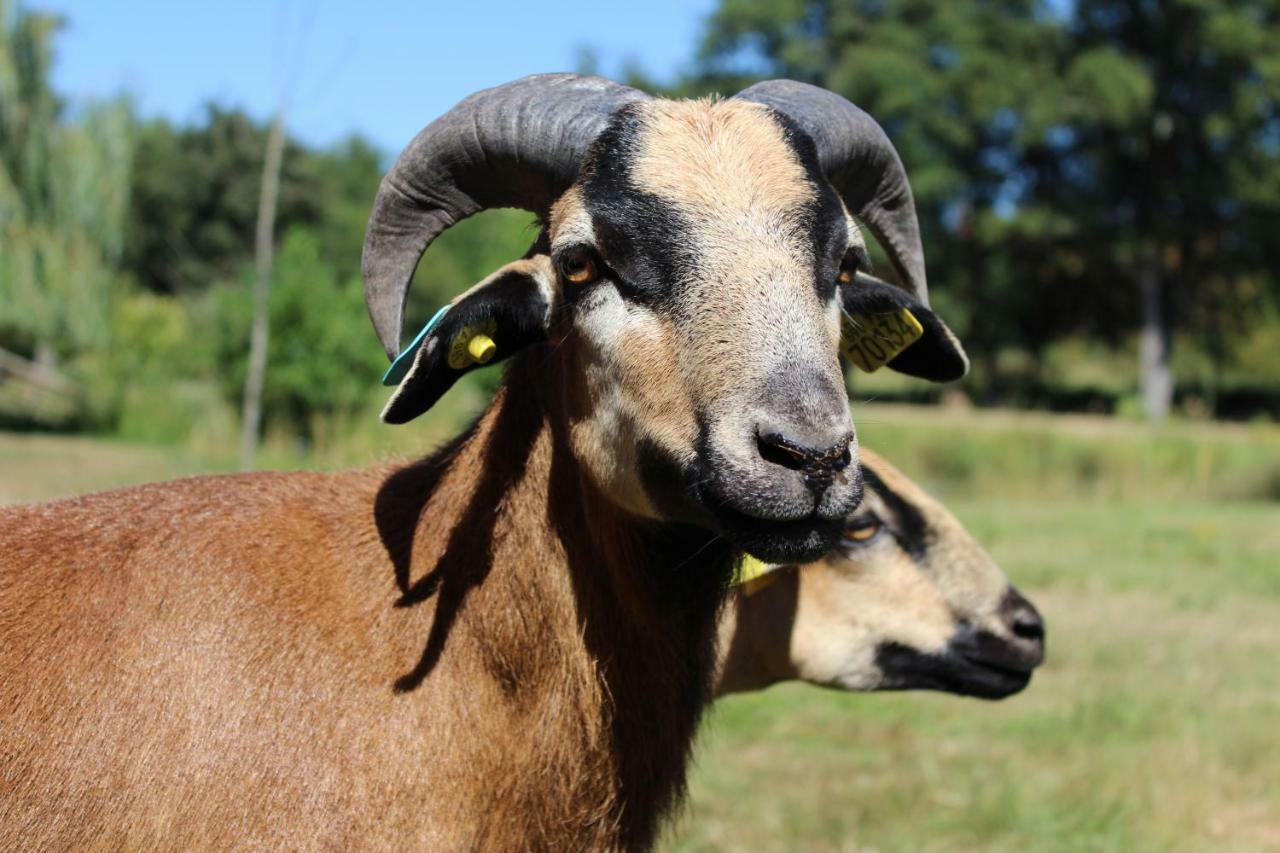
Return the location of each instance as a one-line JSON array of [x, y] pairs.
[[1154, 725]]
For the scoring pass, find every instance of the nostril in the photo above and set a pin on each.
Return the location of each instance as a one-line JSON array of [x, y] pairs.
[[1027, 625], [778, 450], [1024, 621], [825, 462]]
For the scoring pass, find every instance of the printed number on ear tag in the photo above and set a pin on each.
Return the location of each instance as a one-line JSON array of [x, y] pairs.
[[872, 340]]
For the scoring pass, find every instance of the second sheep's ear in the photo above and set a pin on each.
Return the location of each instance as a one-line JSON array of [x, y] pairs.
[[498, 317], [884, 324]]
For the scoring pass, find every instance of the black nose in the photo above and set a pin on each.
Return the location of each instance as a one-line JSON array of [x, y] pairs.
[[819, 457], [1025, 625]]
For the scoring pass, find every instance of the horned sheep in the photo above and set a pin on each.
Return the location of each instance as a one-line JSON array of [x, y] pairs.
[[509, 643]]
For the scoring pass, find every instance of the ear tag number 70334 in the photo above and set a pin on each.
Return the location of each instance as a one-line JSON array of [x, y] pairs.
[[872, 340]]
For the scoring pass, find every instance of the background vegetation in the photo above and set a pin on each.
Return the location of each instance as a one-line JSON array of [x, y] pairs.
[[1099, 185]]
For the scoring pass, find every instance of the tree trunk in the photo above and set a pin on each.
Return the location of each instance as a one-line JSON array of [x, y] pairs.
[[34, 372], [260, 335], [1156, 377]]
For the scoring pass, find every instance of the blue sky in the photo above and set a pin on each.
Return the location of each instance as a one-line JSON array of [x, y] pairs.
[[384, 70]]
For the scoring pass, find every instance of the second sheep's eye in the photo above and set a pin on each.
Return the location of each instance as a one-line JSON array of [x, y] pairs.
[[861, 530], [579, 266]]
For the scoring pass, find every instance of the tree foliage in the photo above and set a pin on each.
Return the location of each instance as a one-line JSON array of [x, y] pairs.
[[321, 362], [64, 188]]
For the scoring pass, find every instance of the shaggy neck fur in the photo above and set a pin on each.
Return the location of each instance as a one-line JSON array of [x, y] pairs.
[[585, 637]]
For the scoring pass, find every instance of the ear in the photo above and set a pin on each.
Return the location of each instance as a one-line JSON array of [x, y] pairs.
[[498, 317], [884, 324]]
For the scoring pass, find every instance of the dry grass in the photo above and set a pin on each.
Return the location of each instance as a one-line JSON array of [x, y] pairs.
[[40, 467]]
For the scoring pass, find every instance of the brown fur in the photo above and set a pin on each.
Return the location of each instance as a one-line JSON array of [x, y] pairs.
[[718, 159], [469, 652]]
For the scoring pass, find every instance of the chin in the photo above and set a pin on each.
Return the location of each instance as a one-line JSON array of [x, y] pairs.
[[948, 671], [782, 542]]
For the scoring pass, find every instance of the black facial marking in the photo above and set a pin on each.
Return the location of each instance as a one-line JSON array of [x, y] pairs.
[[646, 240], [823, 218], [643, 238], [912, 530], [950, 671]]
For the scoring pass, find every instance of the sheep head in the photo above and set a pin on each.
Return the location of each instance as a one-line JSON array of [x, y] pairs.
[[907, 600], [695, 260]]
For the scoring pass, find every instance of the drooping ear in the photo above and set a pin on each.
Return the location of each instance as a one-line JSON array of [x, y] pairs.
[[496, 318], [884, 324]]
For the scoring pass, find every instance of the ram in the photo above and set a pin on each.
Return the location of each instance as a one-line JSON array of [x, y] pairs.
[[509, 643], [906, 601]]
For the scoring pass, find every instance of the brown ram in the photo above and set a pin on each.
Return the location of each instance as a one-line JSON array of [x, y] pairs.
[[509, 643]]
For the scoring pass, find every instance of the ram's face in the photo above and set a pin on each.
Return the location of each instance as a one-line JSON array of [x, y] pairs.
[[699, 258], [690, 283]]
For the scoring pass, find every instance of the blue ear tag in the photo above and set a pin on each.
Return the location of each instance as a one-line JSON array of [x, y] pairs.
[[404, 361]]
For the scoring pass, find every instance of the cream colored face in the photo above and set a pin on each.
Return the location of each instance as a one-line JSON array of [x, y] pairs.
[[907, 599], [912, 582], [709, 319]]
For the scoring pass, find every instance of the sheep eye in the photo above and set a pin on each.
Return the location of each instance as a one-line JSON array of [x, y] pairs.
[[862, 530], [848, 268], [578, 266]]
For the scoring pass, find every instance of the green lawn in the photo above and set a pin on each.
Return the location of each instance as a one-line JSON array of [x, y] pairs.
[[1155, 723]]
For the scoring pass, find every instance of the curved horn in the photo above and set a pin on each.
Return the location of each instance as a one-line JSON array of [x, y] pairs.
[[515, 145], [861, 163]]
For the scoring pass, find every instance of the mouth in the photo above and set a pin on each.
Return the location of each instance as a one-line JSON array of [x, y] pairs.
[[801, 540], [949, 671]]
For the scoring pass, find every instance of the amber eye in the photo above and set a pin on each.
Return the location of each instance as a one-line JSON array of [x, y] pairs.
[[862, 530], [848, 268], [578, 266]]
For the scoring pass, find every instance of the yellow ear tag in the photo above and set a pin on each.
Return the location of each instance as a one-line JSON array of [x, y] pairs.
[[473, 345], [754, 575], [872, 340]]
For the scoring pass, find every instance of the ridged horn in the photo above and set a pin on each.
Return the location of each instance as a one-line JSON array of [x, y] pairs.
[[861, 163], [515, 145]]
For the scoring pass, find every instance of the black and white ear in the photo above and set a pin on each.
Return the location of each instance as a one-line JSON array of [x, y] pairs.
[[884, 324], [496, 318]]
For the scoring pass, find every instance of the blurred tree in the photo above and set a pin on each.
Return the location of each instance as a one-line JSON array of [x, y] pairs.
[[346, 179], [63, 199], [192, 227], [195, 200], [1102, 167], [260, 328], [323, 359], [1172, 153]]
